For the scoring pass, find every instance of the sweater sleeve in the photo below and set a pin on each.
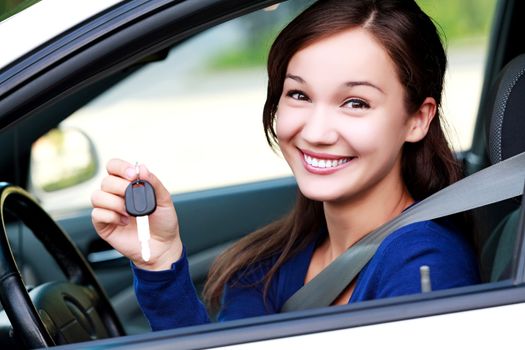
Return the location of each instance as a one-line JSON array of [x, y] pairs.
[[168, 298], [394, 269]]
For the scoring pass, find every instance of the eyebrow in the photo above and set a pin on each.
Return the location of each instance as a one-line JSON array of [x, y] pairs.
[[348, 83], [296, 78], [363, 83]]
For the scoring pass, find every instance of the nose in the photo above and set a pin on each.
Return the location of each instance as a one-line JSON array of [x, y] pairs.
[[319, 127]]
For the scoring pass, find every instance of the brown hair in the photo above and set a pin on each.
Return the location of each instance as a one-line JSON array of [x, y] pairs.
[[412, 42]]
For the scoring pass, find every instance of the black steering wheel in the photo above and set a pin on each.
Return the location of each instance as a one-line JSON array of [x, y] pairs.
[[56, 312]]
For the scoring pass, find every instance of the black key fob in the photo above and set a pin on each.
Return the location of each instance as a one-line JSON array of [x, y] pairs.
[[140, 198]]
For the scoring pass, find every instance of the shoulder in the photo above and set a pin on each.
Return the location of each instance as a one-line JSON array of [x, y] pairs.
[[394, 269], [432, 243], [422, 236]]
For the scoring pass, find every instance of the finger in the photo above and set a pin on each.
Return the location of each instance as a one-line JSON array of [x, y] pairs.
[[108, 217], [104, 200], [105, 221], [162, 194], [125, 170], [121, 168], [114, 185]]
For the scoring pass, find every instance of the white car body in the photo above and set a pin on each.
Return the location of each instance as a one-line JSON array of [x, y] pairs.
[[43, 21], [493, 328]]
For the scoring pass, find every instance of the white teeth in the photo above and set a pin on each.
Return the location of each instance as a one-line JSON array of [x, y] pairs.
[[324, 163]]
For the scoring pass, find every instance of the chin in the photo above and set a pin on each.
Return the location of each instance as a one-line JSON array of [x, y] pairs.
[[321, 194]]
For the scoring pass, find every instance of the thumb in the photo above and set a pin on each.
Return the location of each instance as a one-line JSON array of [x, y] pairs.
[[161, 193]]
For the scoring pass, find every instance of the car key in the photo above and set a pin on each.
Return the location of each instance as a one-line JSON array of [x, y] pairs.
[[140, 202]]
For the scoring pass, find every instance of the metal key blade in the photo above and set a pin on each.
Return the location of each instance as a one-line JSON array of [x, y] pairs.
[[144, 236]]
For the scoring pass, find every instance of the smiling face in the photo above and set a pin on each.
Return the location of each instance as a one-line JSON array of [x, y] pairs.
[[341, 120]]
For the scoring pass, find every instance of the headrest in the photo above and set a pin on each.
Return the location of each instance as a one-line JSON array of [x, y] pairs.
[[507, 124]]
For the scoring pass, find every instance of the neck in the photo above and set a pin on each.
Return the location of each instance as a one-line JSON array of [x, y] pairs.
[[350, 220]]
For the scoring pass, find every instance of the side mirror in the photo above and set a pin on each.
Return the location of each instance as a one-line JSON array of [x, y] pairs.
[[62, 158]]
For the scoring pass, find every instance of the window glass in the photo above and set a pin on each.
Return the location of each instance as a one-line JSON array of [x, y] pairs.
[[194, 118], [465, 28]]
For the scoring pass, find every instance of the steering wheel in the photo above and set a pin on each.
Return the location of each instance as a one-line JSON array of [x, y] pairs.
[[68, 312]]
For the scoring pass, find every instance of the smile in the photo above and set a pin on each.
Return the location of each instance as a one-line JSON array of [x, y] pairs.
[[324, 164]]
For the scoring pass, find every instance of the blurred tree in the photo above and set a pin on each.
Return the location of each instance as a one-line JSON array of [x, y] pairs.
[[456, 20], [10, 7], [8, 4], [460, 19], [258, 29]]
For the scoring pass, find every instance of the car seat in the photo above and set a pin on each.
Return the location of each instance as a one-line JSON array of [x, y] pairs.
[[505, 139]]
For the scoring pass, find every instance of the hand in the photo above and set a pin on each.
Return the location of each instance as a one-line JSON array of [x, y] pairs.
[[119, 229]]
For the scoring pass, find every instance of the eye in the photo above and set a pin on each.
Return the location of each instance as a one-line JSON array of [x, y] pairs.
[[297, 95], [356, 103]]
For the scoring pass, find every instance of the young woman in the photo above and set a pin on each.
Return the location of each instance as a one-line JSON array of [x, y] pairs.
[[353, 103]]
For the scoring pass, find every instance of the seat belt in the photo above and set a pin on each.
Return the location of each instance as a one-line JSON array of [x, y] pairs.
[[495, 183]]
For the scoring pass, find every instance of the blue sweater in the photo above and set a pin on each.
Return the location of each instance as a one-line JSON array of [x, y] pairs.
[[168, 298]]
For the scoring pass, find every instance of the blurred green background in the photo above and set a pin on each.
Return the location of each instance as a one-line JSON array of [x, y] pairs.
[[10, 7], [460, 19], [449, 15]]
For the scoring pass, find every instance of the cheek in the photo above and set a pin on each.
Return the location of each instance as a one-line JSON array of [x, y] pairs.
[[371, 134], [287, 123], [362, 135]]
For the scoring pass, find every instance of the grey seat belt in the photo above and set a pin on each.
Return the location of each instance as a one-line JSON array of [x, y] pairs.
[[495, 183]]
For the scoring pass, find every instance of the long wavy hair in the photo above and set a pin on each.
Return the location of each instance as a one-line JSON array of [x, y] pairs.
[[411, 40]]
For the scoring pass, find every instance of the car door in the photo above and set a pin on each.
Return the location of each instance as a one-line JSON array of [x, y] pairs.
[[219, 215]]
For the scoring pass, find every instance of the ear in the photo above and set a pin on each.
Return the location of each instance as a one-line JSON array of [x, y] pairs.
[[419, 122]]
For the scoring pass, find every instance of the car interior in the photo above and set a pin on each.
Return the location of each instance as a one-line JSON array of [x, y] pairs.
[[500, 246], [214, 218]]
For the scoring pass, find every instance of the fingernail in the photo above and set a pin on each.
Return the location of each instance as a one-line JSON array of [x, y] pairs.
[[130, 173]]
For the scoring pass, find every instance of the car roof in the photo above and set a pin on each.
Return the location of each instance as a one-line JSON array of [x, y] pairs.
[[43, 21]]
